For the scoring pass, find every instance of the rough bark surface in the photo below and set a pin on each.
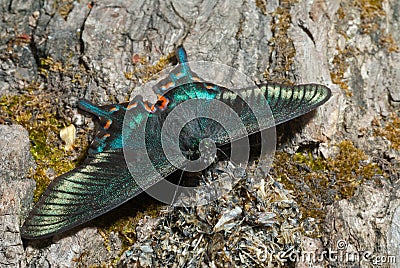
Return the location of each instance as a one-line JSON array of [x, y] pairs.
[[84, 49], [15, 192]]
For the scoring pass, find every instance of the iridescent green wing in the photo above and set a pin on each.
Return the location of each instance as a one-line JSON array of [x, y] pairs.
[[101, 183], [80, 195], [249, 104], [289, 102]]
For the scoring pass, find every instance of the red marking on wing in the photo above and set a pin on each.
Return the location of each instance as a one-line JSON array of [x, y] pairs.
[[162, 102]]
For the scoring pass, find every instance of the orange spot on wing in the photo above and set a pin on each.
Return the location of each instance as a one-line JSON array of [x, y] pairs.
[[131, 105], [195, 78], [162, 102], [113, 109], [105, 136], [151, 109], [108, 124], [167, 85], [209, 87]]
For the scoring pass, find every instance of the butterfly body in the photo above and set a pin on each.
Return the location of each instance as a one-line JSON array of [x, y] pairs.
[[137, 130]]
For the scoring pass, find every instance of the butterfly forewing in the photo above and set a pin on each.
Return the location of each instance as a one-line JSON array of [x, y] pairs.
[[288, 102], [92, 189]]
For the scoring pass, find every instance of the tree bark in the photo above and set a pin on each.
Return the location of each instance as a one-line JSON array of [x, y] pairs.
[[351, 47]]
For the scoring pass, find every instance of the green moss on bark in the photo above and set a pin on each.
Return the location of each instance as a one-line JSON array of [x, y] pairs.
[[316, 182]]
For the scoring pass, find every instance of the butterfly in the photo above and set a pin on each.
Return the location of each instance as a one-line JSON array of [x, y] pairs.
[[133, 131]]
